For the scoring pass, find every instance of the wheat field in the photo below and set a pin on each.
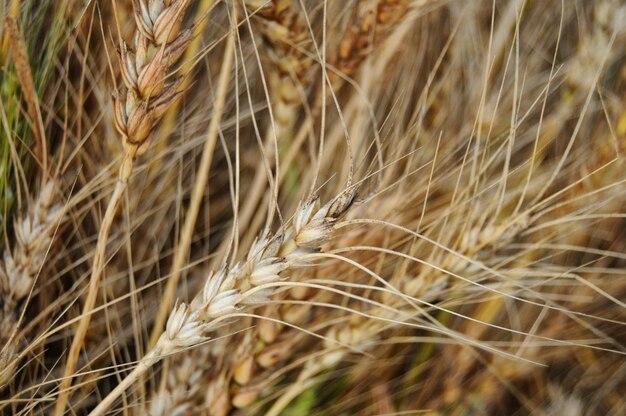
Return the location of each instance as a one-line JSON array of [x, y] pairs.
[[312, 207]]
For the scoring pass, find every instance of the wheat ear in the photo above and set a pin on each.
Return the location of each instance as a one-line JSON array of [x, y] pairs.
[[159, 42], [248, 283], [285, 34], [20, 268], [24, 74], [371, 22]]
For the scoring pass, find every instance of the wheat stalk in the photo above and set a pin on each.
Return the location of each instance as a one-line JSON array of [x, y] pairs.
[[20, 268], [248, 283], [283, 31], [160, 40]]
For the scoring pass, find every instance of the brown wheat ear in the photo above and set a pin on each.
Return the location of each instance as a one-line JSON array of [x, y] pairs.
[[371, 22], [150, 89], [285, 38]]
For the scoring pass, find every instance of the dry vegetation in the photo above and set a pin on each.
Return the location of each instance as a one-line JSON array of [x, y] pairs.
[[330, 207]]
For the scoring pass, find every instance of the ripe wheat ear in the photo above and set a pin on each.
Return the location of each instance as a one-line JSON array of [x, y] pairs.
[[160, 40], [249, 283]]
